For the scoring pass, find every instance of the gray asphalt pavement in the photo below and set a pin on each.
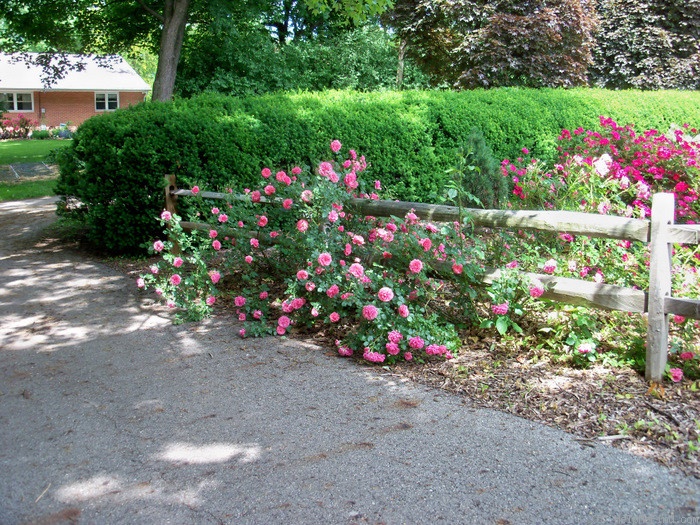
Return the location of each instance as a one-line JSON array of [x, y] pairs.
[[109, 414]]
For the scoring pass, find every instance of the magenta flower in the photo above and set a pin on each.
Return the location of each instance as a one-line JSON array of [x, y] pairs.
[[416, 265], [158, 246], [325, 259], [426, 243], [287, 203], [687, 355], [211, 300], [550, 266], [241, 332], [676, 375], [335, 146], [213, 234], [215, 276], [403, 311], [302, 275], [302, 225], [334, 317], [223, 218], [195, 190], [262, 221], [416, 343], [269, 189], [500, 309], [310, 286], [333, 291], [166, 215], [370, 312], [392, 348], [254, 242], [154, 269], [263, 295], [585, 348], [140, 282], [345, 351], [216, 245], [255, 196], [307, 196], [284, 321], [257, 314], [373, 357], [175, 279], [248, 259], [356, 270], [239, 301], [394, 336], [281, 330], [512, 264], [296, 170], [457, 269], [536, 289], [408, 356], [266, 172], [385, 294]]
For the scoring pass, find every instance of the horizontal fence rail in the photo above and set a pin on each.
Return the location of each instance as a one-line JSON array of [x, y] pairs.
[[660, 232]]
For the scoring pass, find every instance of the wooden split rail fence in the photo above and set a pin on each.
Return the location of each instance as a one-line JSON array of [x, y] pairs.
[[660, 232]]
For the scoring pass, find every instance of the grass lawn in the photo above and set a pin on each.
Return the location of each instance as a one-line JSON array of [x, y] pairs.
[[18, 151], [28, 189]]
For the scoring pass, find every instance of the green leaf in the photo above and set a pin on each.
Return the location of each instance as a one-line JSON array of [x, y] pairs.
[[502, 324]]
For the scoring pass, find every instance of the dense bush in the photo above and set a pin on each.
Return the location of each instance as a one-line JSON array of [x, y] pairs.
[[116, 163]]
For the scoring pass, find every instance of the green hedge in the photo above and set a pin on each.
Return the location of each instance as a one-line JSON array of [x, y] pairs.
[[116, 164]]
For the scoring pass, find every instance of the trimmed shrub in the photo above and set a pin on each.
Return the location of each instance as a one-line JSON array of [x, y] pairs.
[[116, 164]]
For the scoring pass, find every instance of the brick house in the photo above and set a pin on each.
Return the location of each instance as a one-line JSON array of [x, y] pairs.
[[76, 97]]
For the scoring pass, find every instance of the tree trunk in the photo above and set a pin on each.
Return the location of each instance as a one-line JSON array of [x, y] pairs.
[[174, 23], [402, 56]]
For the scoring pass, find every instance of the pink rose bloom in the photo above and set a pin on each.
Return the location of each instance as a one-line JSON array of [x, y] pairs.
[[239, 301], [512, 264], [254, 242], [307, 196], [255, 196], [325, 259], [334, 317], [687, 355], [158, 246], [287, 203], [348, 249], [408, 356], [166, 215], [370, 312], [266, 173], [284, 321], [213, 234], [333, 291], [302, 275], [241, 332], [262, 221], [392, 348], [223, 217], [310, 286], [358, 240], [550, 266], [332, 216], [269, 189], [215, 276], [385, 294], [140, 282], [177, 262], [314, 312], [394, 336], [248, 259], [171, 304], [281, 330], [457, 269], [566, 237], [536, 289], [416, 265], [678, 319], [377, 185], [263, 295], [154, 269], [297, 303], [280, 176], [356, 270], [500, 309], [195, 190], [373, 357], [416, 343], [426, 244], [345, 351], [257, 314], [676, 375], [175, 279], [211, 300], [296, 170], [335, 146], [302, 225], [216, 245], [403, 311], [274, 234], [215, 211]]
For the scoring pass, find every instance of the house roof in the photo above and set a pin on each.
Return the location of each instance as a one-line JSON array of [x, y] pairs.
[[100, 74]]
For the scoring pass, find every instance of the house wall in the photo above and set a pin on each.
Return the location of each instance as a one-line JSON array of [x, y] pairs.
[[70, 107]]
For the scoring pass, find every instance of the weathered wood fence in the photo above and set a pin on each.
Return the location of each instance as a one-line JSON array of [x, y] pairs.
[[660, 232]]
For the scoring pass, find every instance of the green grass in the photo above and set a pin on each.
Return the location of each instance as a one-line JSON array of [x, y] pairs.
[[31, 189], [18, 151]]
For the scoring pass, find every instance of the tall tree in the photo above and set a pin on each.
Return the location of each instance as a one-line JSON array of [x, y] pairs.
[[648, 44], [112, 26], [488, 43]]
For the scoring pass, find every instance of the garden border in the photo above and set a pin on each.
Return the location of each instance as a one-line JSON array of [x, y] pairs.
[[660, 233]]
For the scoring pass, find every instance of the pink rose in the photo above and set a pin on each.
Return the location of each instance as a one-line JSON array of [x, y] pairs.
[[263, 295], [345, 351], [333, 291], [302, 275], [385, 294], [177, 262], [370, 312], [140, 282], [166, 215], [550, 266], [281, 330], [335, 146], [262, 221], [457, 269], [175, 279], [211, 300], [416, 265], [325, 259], [266, 173], [394, 336], [676, 375], [403, 311], [255, 196], [408, 356], [241, 332], [158, 246], [269, 189], [302, 225], [284, 321], [287, 203], [213, 234], [215, 276], [500, 309], [392, 348], [416, 343], [195, 190], [223, 217], [216, 245], [239, 301], [334, 317]]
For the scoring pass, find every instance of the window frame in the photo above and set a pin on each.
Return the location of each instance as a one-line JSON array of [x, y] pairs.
[[15, 102], [106, 95]]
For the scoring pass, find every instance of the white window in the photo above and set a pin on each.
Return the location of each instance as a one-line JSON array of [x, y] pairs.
[[17, 101], [106, 101]]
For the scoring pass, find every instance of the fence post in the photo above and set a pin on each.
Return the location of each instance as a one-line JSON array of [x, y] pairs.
[[662, 216], [171, 205]]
